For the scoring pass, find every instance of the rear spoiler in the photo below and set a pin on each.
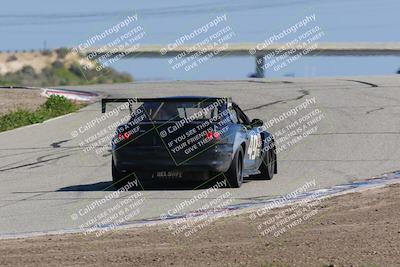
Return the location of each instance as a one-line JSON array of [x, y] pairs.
[[131, 101], [104, 102]]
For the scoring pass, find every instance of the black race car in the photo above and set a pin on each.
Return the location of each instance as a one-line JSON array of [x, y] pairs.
[[193, 137]]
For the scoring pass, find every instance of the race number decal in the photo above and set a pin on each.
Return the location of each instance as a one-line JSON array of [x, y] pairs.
[[254, 146]]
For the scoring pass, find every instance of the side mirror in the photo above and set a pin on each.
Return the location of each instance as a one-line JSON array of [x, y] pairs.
[[257, 123]]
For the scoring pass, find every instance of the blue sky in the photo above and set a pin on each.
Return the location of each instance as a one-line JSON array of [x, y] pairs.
[[32, 24]]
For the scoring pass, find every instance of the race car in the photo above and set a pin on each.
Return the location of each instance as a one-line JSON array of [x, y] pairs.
[[187, 137]]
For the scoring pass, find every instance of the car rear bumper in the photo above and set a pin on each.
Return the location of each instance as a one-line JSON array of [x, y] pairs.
[[217, 159]]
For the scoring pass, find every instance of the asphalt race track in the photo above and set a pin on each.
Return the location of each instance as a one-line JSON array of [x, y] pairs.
[[46, 176]]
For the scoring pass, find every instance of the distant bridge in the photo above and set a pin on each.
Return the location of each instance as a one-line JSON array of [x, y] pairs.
[[259, 51]]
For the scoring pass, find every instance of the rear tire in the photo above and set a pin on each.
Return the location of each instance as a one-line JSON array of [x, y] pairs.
[[267, 167], [235, 171], [120, 179]]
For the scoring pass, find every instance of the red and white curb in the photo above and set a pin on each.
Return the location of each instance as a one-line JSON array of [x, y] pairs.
[[234, 210], [70, 94]]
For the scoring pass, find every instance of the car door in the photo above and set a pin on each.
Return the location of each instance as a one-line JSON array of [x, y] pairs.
[[253, 141]]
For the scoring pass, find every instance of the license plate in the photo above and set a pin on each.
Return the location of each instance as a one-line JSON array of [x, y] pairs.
[[174, 174]]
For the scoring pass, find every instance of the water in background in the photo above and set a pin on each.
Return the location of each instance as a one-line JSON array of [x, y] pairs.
[[26, 25]]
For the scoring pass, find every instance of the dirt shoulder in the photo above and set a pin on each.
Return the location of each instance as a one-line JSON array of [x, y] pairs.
[[11, 99], [359, 229]]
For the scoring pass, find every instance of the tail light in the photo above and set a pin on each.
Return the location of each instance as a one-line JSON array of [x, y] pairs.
[[124, 136], [212, 135]]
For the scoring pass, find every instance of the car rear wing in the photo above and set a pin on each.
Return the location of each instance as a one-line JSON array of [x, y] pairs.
[[132, 101]]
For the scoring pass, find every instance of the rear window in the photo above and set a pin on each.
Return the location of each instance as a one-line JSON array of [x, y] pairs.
[[176, 111]]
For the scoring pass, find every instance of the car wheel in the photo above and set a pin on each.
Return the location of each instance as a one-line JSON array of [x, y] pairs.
[[119, 179], [267, 167], [235, 172]]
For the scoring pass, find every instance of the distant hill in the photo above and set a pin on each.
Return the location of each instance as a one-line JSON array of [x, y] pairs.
[[53, 68]]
